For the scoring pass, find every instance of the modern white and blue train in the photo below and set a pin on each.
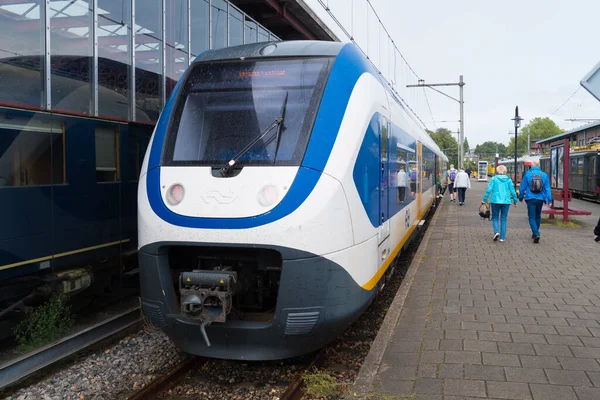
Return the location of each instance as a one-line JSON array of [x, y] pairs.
[[281, 182]]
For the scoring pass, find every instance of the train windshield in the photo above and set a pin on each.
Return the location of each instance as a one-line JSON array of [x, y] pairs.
[[225, 106]]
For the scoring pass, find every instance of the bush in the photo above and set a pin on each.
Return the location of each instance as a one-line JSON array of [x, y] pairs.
[[45, 323]]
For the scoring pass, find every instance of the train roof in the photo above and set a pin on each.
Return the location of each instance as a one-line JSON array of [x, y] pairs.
[[298, 48]]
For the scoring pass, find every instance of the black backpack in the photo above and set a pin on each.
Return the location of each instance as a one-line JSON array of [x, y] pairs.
[[536, 185]]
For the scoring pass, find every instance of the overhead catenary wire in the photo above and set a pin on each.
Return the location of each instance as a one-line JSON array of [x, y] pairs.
[[365, 53], [566, 101]]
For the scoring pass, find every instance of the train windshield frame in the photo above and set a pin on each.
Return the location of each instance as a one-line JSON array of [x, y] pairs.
[[223, 106]]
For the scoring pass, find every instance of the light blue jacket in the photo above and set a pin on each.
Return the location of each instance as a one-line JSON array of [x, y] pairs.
[[545, 195], [500, 190]]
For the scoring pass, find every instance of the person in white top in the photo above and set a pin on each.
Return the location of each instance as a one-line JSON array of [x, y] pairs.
[[462, 183], [450, 177], [402, 183]]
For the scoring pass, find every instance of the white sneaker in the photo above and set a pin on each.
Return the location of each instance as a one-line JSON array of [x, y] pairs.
[[502, 240], [496, 236]]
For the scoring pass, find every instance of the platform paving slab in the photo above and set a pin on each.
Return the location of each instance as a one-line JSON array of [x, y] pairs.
[[478, 319]]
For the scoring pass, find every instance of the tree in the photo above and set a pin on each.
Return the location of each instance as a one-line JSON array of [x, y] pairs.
[[466, 148], [488, 150], [447, 143], [538, 128]]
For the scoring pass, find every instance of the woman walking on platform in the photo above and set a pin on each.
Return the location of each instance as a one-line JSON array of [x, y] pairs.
[[500, 192]]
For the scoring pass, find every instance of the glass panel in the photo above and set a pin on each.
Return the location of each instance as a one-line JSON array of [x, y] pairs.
[[263, 35], [114, 33], [148, 58], [31, 151], [228, 105], [71, 49], [236, 27], [177, 42], [250, 32], [413, 174], [219, 23], [199, 16], [401, 176], [428, 169], [107, 164], [21, 53]]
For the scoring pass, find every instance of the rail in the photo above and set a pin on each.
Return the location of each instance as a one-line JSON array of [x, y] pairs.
[[170, 379], [16, 370]]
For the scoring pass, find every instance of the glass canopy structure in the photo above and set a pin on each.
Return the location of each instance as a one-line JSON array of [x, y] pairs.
[[114, 59]]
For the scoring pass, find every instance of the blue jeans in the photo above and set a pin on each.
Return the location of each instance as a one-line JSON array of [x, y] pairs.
[[534, 212], [502, 211]]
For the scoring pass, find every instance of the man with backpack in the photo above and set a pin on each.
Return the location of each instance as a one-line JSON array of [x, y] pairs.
[[450, 178], [535, 189]]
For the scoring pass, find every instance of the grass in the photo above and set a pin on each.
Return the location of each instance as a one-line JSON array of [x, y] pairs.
[[321, 384], [558, 222]]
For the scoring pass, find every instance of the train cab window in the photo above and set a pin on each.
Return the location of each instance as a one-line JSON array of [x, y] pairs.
[[31, 151], [225, 106], [107, 158]]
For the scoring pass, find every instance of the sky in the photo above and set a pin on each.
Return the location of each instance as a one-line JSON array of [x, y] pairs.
[[530, 53]]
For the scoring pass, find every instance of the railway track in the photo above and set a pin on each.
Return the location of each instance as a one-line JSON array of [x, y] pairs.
[[163, 383], [16, 370]]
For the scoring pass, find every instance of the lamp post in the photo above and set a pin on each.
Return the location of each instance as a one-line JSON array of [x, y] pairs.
[[517, 120]]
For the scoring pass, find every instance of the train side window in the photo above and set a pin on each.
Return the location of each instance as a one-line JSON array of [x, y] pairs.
[[107, 154], [31, 151]]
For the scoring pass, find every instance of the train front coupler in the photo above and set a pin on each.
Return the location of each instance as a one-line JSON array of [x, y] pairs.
[[207, 296]]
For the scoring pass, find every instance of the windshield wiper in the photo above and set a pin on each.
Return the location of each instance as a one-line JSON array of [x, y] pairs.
[[277, 122], [280, 126]]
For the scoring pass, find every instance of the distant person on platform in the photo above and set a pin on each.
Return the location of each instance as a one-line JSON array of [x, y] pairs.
[[500, 193], [469, 172], [461, 184], [535, 189], [450, 177], [597, 232], [402, 183]]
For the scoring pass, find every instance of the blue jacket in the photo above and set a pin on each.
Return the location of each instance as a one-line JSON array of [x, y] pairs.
[[545, 195], [502, 190]]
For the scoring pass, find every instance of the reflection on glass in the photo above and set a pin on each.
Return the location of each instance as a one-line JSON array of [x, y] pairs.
[[402, 177], [227, 105], [177, 42], [31, 151], [148, 57], [107, 165], [263, 35], [219, 23], [199, 26], [561, 167], [413, 173], [114, 32], [250, 32], [236, 27], [21, 53], [71, 49]]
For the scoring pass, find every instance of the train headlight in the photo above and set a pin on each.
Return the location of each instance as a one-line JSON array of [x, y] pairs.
[[268, 195], [175, 194]]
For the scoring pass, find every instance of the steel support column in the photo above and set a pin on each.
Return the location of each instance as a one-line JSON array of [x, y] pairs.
[[282, 11], [132, 66]]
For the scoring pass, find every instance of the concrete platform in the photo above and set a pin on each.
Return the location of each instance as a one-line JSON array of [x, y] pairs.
[[481, 319]]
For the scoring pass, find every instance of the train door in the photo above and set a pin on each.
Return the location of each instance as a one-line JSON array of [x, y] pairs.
[[589, 171], [384, 179]]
